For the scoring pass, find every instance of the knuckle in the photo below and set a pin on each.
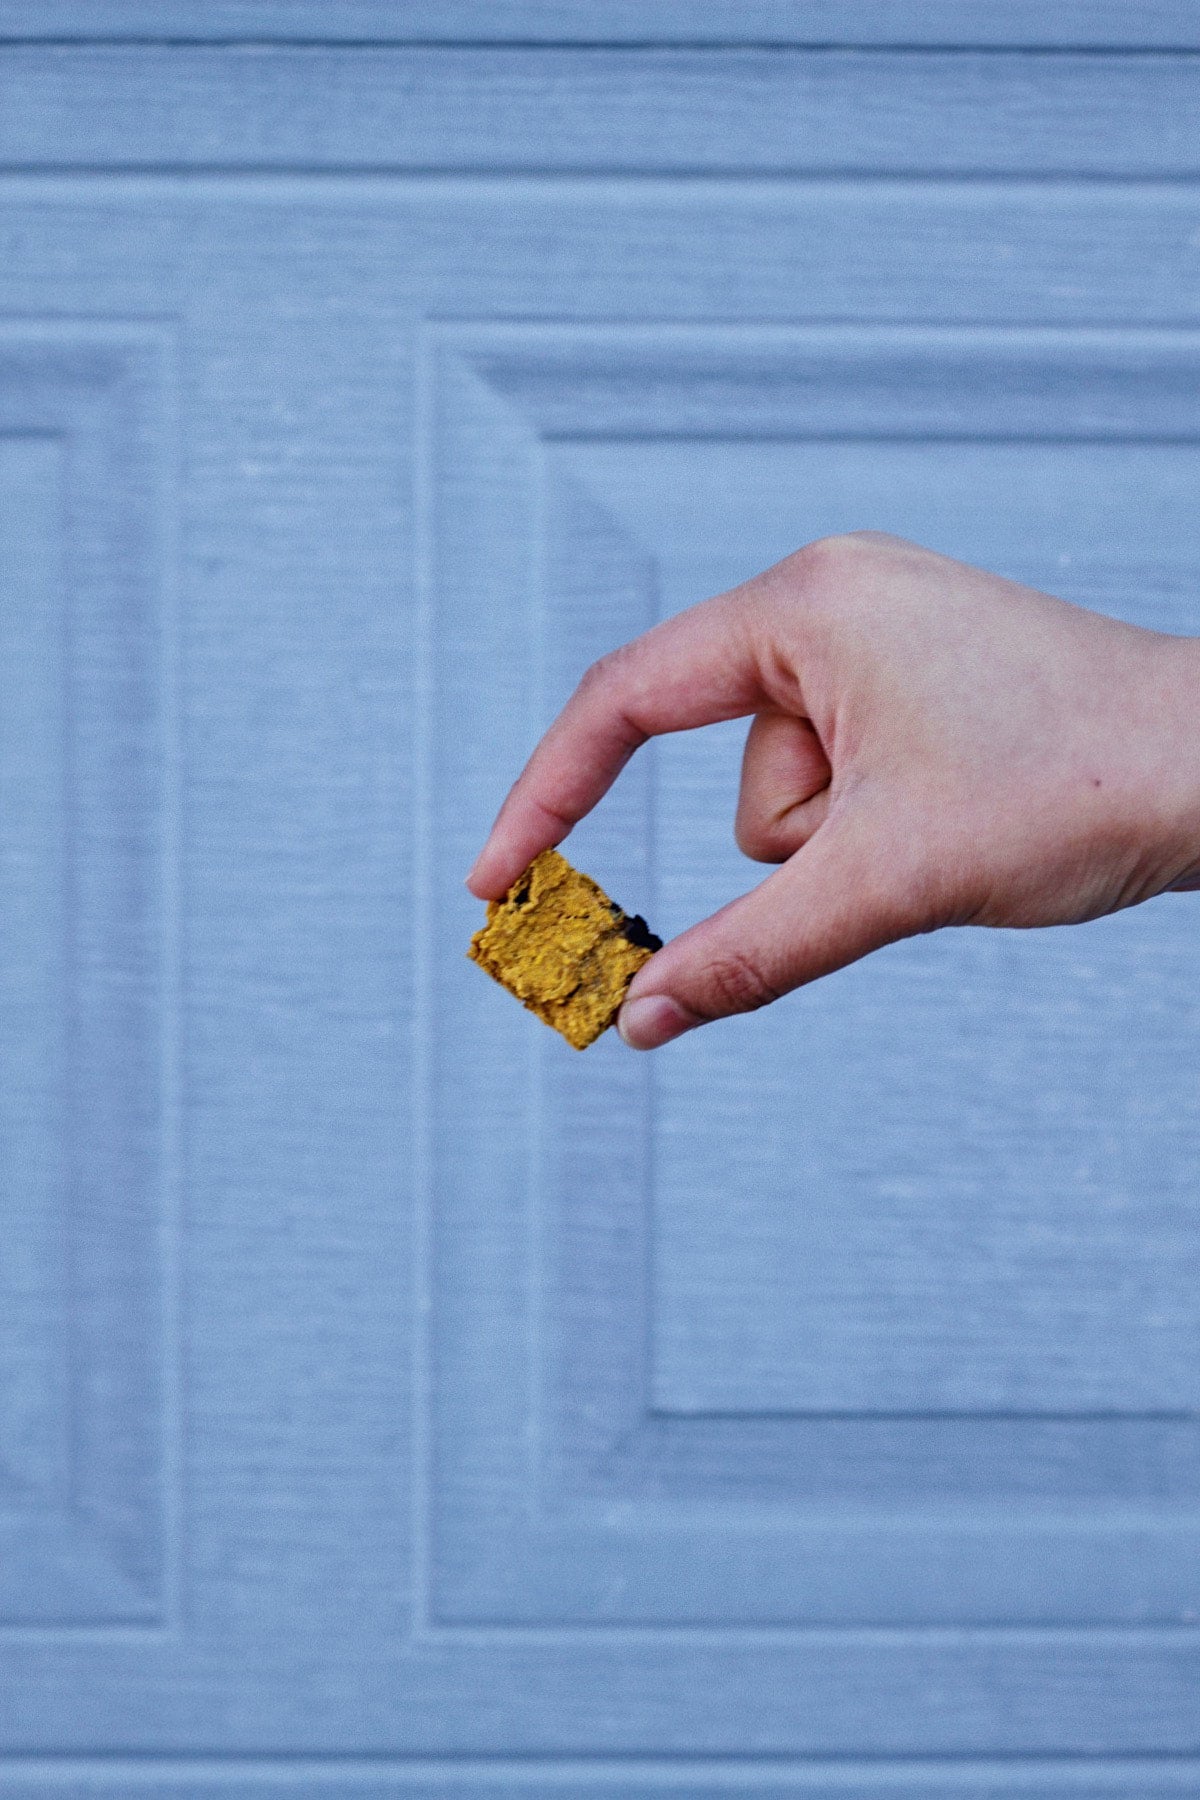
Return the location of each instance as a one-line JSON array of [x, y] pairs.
[[746, 839], [838, 547], [611, 687], [755, 839], [829, 562], [597, 674], [613, 678], [736, 984], [558, 818]]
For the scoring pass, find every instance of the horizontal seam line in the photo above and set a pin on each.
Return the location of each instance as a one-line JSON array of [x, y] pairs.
[[623, 46], [664, 172], [599, 1760]]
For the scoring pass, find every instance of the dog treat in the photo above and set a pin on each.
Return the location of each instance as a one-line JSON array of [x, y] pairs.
[[563, 948]]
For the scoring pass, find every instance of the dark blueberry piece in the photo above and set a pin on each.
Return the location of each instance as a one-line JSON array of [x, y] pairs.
[[639, 933]]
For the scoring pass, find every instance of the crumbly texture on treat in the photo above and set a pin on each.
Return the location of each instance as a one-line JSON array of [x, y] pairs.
[[563, 948]]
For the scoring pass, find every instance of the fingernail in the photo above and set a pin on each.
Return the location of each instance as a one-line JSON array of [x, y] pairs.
[[645, 1024]]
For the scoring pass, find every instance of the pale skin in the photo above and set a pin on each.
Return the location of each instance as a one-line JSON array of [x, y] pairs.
[[930, 745]]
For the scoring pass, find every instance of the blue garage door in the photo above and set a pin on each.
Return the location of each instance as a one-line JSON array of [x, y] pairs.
[[391, 1400]]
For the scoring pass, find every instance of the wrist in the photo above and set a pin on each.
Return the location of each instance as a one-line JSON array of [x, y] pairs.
[[1179, 715]]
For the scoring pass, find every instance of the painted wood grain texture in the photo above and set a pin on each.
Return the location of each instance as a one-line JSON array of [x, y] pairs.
[[388, 1403], [81, 447], [678, 111], [1076, 24]]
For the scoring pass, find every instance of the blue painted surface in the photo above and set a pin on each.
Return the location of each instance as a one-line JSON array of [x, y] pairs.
[[1067, 24], [390, 1399]]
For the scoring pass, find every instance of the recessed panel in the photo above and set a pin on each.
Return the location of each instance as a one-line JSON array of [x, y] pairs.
[[84, 1026], [959, 1176], [874, 1308]]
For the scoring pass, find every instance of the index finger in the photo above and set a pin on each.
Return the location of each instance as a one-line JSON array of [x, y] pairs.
[[697, 668]]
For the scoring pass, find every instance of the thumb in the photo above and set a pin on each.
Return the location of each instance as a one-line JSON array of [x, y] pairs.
[[836, 899]]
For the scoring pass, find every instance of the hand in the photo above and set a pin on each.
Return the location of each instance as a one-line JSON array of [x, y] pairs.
[[930, 745]]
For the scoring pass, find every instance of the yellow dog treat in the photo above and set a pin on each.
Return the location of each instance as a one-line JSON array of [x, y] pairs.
[[563, 948]]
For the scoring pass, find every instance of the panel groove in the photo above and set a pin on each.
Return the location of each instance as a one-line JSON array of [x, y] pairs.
[[763, 1777]]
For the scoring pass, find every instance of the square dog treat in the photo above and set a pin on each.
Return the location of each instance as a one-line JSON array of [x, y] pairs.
[[563, 948]]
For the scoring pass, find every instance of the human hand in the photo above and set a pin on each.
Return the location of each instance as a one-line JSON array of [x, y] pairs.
[[930, 745]]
